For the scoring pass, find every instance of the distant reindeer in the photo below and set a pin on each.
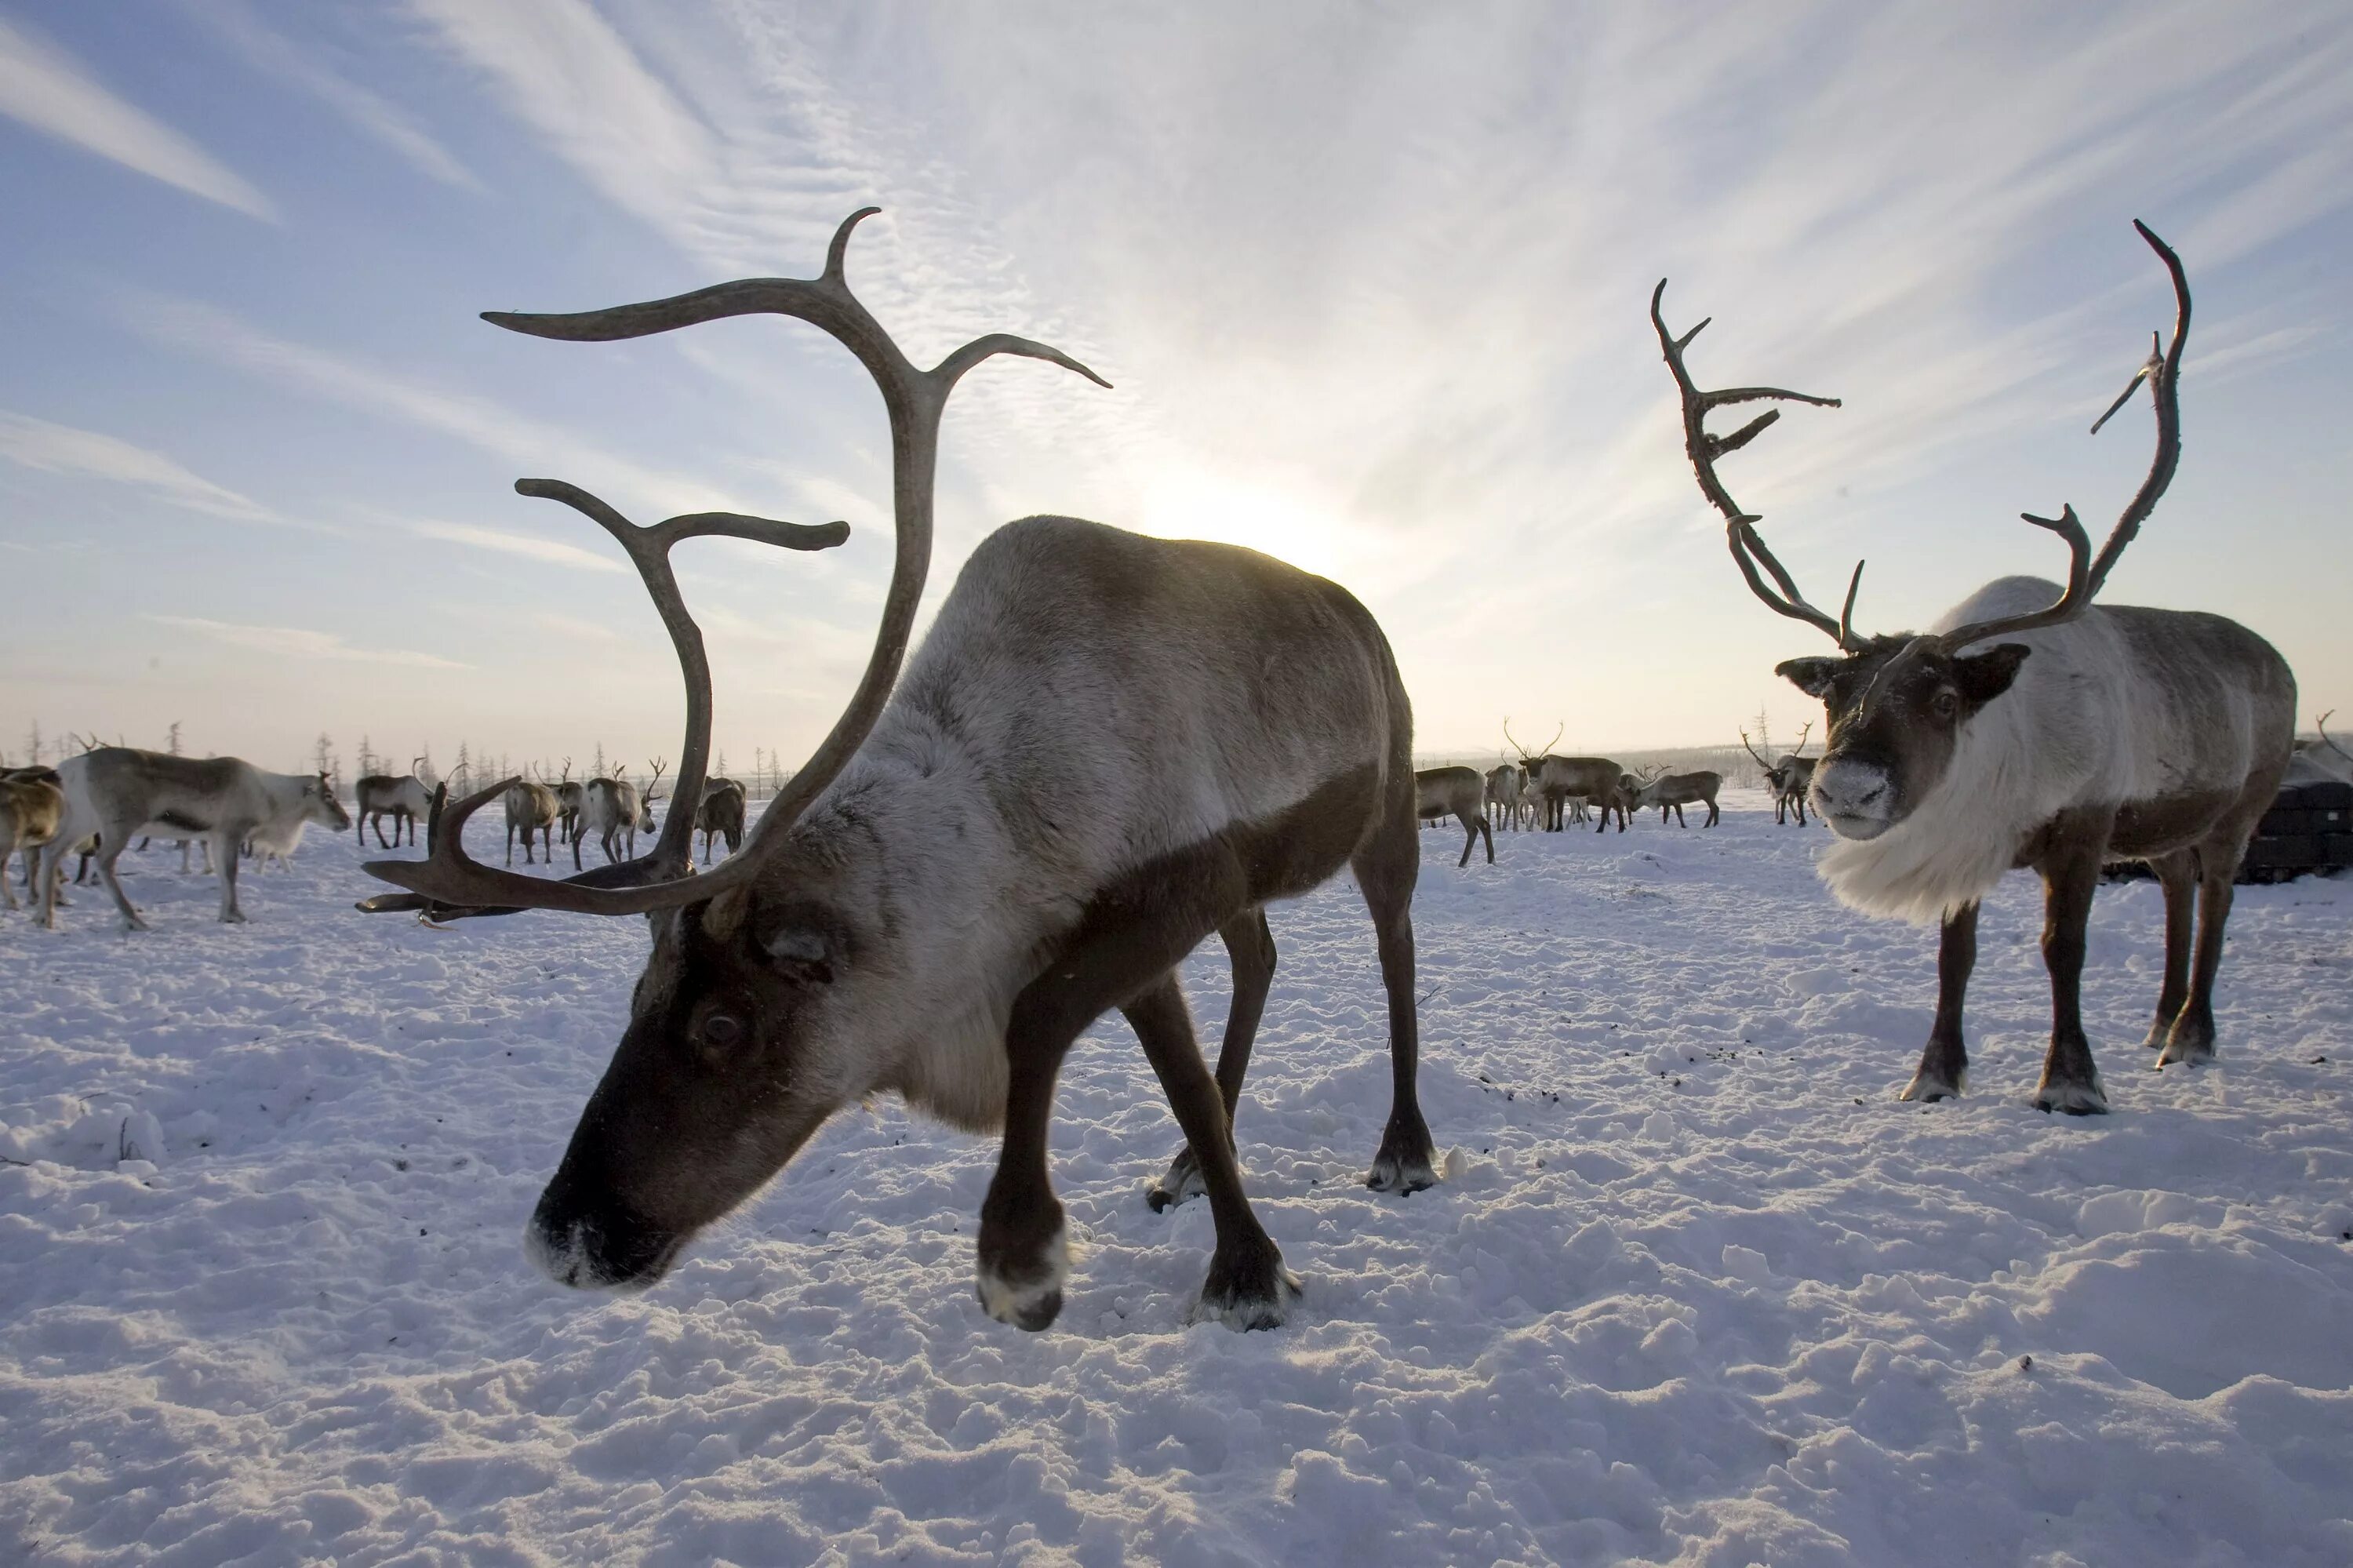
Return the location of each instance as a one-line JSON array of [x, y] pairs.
[[570, 795], [2321, 761], [721, 815], [614, 811], [531, 807], [1673, 791], [1505, 791], [1558, 779], [403, 798], [1457, 792], [1789, 779], [2089, 734], [120, 791], [32, 806], [276, 841]]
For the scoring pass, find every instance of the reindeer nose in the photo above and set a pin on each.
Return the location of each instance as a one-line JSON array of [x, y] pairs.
[[1850, 789]]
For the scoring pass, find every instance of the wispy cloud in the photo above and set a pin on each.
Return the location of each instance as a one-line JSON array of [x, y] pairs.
[[64, 450], [48, 88], [367, 111], [550, 551], [301, 642], [533, 445]]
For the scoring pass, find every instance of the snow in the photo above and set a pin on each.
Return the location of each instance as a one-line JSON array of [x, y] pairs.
[[1697, 1289]]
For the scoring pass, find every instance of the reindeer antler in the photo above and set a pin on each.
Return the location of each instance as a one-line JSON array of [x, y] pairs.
[[913, 400], [2321, 725], [1740, 526], [1752, 751], [2086, 573], [1804, 730]]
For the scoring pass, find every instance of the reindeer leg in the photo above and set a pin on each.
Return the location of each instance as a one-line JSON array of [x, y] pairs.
[[2192, 1038], [1470, 838], [1944, 1066], [225, 846], [2178, 875], [1387, 868], [1248, 1286], [2070, 877], [1249, 948], [111, 847]]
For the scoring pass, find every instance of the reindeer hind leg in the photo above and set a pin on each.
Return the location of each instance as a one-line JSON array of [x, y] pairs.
[[1386, 868], [1249, 948]]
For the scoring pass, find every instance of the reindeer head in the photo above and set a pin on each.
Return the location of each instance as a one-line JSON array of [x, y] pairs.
[[762, 1006], [320, 805], [1898, 704]]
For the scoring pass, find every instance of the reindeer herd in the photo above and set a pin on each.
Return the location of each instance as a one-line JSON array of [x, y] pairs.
[[921, 911]]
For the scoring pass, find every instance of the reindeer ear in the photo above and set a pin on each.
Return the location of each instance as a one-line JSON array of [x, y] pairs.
[[1984, 676], [724, 915], [1811, 676]]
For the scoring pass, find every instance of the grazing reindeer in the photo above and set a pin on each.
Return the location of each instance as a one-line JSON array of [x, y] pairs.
[[1457, 792], [531, 807], [919, 910], [2089, 733], [120, 791], [1676, 790], [381, 795], [721, 815], [32, 806], [1789, 778], [614, 811]]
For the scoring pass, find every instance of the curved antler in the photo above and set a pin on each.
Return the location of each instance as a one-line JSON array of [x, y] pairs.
[[1752, 751], [1740, 526], [1805, 730], [2321, 725], [2086, 573], [914, 399]]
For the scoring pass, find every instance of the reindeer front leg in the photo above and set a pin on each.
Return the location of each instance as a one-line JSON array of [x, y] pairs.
[[224, 843], [1944, 1064]]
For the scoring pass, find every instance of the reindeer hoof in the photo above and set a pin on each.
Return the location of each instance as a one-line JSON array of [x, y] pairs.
[[1927, 1088], [2185, 1052], [1182, 1182], [1030, 1298], [2075, 1099], [1257, 1294]]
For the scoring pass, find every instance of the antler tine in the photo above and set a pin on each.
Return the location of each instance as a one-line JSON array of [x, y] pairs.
[[2321, 725], [1752, 752], [1806, 730], [447, 874], [2086, 572], [1749, 547], [914, 400]]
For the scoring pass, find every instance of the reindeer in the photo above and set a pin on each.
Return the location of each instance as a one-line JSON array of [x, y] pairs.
[[381, 795], [1557, 779], [530, 806], [276, 841], [120, 791], [920, 910], [721, 815], [614, 811], [1789, 778], [571, 794], [2321, 761], [2083, 734], [1676, 790], [1457, 792], [1505, 789], [32, 805]]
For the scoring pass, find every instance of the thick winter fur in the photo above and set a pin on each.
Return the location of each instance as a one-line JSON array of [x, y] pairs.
[[1557, 779], [1108, 748], [120, 792], [2122, 706], [530, 808], [721, 815], [1505, 786]]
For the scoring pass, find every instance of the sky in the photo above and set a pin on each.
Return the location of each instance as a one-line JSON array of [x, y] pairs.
[[1370, 284]]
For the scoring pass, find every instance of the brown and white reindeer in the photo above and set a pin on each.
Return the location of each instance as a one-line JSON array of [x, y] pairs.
[[721, 815], [1673, 791], [1506, 792], [119, 792], [531, 808], [32, 808], [1789, 779], [921, 909], [615, 811], [402, 797], [1459, 793], [2075, 733]]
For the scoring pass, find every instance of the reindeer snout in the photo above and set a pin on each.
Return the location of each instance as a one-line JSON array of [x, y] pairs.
[[1856, 798]]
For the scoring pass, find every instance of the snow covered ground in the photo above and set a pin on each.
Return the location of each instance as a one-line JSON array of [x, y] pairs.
[[1698, 1289]]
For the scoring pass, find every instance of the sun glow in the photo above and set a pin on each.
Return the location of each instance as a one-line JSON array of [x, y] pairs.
[[1287, 521]]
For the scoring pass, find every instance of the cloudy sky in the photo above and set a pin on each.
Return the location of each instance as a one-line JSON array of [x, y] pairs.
[[1370, 283]]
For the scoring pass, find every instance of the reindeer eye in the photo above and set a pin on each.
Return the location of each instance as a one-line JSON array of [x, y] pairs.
[[723, 1031], [1945, 705]]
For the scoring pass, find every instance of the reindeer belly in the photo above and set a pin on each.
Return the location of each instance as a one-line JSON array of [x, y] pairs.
[[2170, 822]]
